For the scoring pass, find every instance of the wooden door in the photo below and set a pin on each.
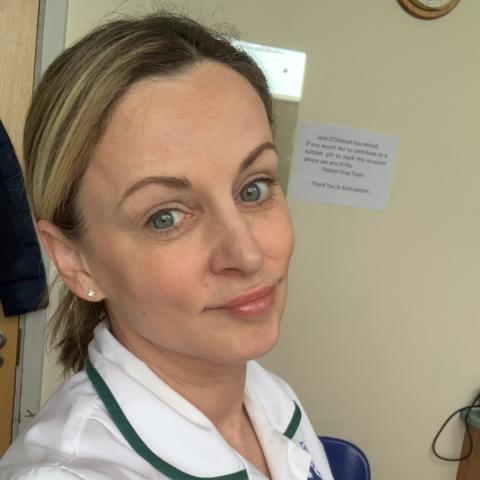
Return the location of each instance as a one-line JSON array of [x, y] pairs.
[[18, 27]]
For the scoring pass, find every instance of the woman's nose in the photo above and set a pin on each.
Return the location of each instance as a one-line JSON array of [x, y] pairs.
[[234, 246]]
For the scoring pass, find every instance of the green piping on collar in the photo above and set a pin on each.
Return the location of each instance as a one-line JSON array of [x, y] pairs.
[[132, 437], [294, 422]]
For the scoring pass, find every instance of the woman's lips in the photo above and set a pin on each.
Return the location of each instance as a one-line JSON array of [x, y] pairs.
[[251, 303]]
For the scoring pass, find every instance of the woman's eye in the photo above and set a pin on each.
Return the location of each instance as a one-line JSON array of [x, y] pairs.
[[255, 191], [165, 219]]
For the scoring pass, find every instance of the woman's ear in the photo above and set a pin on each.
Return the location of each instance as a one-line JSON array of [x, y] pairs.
[[70, 263]]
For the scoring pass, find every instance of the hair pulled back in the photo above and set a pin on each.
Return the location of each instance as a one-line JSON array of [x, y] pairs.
[[69, 113]]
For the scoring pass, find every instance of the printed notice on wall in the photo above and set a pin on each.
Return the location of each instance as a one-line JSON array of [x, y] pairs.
[[344, 166]]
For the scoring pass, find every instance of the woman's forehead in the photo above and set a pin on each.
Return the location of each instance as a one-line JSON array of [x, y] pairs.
[[201, 90], [205, 100], [174, 125]]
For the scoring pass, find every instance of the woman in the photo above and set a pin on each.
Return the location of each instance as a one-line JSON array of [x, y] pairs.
[[153, 176]]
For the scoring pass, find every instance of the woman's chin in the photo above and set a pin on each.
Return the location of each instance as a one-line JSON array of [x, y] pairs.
[[257, 345]]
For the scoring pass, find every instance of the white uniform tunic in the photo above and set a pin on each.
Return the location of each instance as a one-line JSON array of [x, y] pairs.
[[119, 421]]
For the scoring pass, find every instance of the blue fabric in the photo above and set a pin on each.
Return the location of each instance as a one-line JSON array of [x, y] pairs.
[[23, 286]]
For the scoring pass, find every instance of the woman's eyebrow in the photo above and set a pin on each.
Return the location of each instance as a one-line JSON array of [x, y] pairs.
[[183, 183], [170, 182], [254, 154]]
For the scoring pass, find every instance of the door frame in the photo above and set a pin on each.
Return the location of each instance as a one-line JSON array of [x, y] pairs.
[[19, 26], [30, 375]]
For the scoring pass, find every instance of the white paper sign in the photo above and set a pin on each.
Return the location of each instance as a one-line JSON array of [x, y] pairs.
[[344, 166]]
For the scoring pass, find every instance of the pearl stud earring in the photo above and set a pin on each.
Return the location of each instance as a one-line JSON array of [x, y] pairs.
[[90, 293]]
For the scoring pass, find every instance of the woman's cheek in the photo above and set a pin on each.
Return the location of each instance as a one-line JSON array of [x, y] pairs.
[[282, 235]]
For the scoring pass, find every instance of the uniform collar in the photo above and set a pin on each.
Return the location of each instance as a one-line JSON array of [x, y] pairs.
[[161, 425], [283, 412]]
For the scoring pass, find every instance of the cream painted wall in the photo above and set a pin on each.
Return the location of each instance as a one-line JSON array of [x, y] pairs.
[[381, 333]]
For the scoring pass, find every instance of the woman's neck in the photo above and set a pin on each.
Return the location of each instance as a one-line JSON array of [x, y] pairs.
[[215, 389]]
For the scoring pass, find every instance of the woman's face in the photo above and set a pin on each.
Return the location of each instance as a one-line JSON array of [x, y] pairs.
[[188, 233]]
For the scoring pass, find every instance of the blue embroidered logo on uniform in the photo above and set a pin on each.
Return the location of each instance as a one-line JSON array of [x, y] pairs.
[[313, 474]]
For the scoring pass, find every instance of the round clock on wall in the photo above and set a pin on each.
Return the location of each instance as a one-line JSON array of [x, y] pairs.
[[428, 9]]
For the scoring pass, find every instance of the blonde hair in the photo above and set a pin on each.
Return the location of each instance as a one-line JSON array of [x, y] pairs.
[[69, 113]]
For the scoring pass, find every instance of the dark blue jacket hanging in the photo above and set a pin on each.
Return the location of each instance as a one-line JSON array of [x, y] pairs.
[[22, 274]]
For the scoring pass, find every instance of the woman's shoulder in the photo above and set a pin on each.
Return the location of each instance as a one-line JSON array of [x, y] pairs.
[[42, 472], [63, 471], [54, 435], [63, 417]]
